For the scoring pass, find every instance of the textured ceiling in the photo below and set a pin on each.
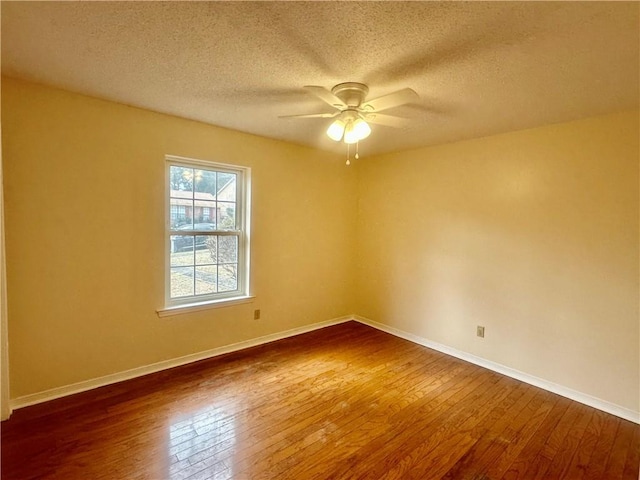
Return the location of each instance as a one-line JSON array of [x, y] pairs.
[[479, 67]]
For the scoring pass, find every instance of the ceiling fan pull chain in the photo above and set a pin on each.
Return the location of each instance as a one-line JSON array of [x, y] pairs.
[[356, 155], [348, 161]]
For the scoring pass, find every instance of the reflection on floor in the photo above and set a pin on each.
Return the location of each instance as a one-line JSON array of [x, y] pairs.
[[202, 441]]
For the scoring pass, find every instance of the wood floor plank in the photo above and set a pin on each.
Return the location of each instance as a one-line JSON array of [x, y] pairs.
[[497, 435], [363, 426], [420, 418], [539, 464], [618, 456], [344, 402], [598, 461], [632, 465], [313, 428], [578, 467], [518, 437], [436, 454], [530, 460], [567, 450]]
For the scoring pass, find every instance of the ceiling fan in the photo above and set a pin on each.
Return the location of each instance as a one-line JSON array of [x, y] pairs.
[[354, 112]]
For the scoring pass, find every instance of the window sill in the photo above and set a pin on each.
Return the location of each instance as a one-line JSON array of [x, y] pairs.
[[196, 307]]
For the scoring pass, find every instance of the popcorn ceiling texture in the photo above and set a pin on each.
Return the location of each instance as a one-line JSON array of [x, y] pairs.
[[479, 68]]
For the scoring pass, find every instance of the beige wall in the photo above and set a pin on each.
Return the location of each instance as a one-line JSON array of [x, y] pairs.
[[532, 234], [84, 190]]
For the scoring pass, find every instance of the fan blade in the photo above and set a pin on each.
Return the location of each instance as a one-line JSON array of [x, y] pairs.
[[406, 95], [326, 96], [312, 115], [388, 120]]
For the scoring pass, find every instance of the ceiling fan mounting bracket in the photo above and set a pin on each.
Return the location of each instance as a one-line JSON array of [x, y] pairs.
[[351, 93]]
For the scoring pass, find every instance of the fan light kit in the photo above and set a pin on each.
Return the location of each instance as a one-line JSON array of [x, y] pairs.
[[349, 127], [354, 113]]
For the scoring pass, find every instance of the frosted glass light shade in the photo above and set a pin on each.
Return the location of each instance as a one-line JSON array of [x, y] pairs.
[[336, 130], [361, 129], [356, 131], [348, 127]]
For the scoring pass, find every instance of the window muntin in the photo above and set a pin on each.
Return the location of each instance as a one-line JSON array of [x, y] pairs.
[[207, 234]]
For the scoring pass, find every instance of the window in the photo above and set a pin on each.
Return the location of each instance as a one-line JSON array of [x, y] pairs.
[[207, 231]]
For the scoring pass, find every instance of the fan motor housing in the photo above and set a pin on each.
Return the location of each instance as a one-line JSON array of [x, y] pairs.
[[351, 93]]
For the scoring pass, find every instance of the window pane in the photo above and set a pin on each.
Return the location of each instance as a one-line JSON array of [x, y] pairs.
[[181, 211], [206, 280], [212, 247], [227, 187], [206, 249], [205, 184], [227, 278], [181, 250], [228, 249], [204, 214], [226, 216], [181, 179], [181, 281]]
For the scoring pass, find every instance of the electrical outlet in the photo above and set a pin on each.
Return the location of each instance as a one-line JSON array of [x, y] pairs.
[[480, 331], [256, 314]]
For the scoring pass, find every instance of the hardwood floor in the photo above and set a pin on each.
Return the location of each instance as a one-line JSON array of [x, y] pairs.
[[344, 402]]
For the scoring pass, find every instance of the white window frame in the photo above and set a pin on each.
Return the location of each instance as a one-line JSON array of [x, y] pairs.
[[243, 204]]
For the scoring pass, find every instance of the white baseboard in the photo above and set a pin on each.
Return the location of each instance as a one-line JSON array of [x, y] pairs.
[[584, 398], [83, 386]]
